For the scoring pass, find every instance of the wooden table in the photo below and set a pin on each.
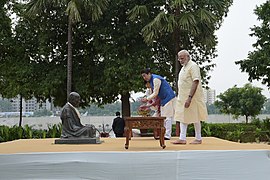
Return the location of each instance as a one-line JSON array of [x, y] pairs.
[[144, 123]]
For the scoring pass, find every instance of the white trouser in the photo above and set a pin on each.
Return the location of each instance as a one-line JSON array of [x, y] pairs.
[[168, 126], [168, 111], [183, 131]]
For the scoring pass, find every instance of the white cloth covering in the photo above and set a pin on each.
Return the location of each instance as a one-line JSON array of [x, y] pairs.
[[169, 165]]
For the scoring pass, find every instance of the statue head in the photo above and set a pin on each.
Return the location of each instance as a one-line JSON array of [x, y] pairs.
[[74, 99]]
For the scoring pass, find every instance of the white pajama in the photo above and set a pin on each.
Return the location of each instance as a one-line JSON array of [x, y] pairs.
[[168, 111], [197, 127]]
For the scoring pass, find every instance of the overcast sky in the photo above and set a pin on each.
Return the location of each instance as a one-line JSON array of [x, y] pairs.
[[234, 43]]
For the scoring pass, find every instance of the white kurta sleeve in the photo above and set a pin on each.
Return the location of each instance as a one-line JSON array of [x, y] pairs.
[[148, 92], [195, 72], [157, 83]]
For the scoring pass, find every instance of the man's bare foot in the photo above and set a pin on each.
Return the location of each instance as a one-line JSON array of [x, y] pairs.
[[179, 141], [196, 142]]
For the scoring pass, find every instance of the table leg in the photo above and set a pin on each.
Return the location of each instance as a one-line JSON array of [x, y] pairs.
[[161, 137], [156, 133], [127, 131]]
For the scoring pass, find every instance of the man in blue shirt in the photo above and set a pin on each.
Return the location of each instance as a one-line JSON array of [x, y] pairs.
[[163, 90]]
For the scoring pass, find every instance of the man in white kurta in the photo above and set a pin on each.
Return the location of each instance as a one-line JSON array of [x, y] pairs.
[[190, 106]]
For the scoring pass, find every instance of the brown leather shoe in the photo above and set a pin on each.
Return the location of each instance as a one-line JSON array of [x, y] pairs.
[[196, 142], [179, 141]]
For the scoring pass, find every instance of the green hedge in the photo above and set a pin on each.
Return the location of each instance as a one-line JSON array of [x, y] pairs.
[[27, 132], [256, 131]]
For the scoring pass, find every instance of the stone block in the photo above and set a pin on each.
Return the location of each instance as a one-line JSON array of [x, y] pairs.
[[95, 140]]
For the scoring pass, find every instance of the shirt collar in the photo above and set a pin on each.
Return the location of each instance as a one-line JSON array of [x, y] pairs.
[[187, 64]]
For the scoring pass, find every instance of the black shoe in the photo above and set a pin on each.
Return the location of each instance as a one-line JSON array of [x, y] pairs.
[[167, 138]]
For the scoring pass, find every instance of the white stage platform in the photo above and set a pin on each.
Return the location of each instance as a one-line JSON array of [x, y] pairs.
[[165, 164]]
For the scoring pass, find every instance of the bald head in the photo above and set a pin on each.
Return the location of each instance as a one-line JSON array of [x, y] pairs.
[[183, 57], [74, 99]]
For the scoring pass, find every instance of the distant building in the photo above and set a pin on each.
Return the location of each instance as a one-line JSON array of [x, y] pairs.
[[209, 96], [30, 105]]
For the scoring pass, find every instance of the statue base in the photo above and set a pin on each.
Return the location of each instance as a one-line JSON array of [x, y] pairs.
[[95, 140]]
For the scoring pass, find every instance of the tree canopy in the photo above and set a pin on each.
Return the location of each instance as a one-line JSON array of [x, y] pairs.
[[73, 9], [245, 101], [6, 42], [108, 54], [125, 54], [257, 64], [185, 24]]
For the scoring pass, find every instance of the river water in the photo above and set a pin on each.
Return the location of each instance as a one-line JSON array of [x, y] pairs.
[[99, 121]]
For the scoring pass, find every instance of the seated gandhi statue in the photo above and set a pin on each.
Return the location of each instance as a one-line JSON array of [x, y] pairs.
[[71, 123]]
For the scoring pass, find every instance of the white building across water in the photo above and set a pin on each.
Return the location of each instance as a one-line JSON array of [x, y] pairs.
[[209, 96]]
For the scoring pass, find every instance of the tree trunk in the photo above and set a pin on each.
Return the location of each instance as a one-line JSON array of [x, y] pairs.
[[176, 71], [176, 40], [125, 104], [177, 66], [69, 60], [20, 122], [246, 119]]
